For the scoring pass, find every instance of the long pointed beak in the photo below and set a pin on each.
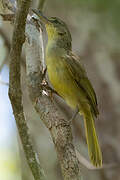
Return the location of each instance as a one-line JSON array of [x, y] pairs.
[[44, 19]]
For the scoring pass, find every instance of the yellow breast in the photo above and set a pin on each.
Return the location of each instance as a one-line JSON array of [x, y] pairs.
[[62, 81], [56, 74]]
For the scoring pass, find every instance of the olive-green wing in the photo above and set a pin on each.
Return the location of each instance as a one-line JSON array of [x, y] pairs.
[[79, 75]]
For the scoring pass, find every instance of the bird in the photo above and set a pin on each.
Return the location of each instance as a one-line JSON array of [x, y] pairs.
[[69, 79]]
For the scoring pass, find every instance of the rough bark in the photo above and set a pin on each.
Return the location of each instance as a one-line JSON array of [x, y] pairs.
[[15, 93]]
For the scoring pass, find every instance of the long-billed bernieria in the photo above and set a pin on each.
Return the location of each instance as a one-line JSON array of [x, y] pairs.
[[69, 79]]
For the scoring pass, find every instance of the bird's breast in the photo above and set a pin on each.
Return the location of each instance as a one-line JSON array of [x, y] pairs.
[[57, 74], [62, 81]]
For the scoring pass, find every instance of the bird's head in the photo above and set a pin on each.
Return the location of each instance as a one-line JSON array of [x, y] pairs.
[[55, 27]]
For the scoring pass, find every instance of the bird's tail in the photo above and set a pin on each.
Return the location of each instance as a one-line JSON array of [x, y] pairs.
[[92, 141]]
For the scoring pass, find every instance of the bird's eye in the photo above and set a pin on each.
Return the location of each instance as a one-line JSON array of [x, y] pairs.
[[55, 21], [61, 33]]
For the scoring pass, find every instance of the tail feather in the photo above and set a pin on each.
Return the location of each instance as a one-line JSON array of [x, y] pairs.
[[92, 141]]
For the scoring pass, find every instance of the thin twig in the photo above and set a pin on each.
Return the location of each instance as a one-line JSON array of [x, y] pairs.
[[3, 83], [15, 93], [88, 165], [6, 40], [7, 44]]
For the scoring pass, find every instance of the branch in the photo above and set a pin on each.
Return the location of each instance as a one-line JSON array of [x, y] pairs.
[[3, 83], [88, 165], [59, 128], [6, 40], [7, 44], [15, 93], [8, 5], [7, 17]]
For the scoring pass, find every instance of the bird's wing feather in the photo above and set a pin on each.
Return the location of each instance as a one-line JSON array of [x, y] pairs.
[[79, 75]]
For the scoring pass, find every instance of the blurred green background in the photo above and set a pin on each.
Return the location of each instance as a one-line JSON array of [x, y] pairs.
[[95, 29]]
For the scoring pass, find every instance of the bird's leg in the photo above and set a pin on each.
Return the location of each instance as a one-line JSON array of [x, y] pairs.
[[45, 85], [43, 81], [51, 89], [74, 114], [44, 73]]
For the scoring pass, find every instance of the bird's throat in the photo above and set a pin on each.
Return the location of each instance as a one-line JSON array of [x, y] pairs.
[[54, 49]]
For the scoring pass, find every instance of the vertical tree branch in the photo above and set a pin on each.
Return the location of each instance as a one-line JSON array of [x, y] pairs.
[[15, 93], [7, 46]]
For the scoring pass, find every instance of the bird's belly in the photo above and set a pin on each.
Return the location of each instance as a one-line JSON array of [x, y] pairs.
[[64, 84]]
